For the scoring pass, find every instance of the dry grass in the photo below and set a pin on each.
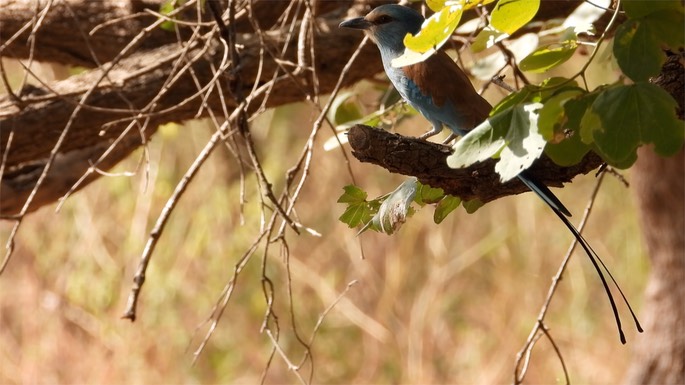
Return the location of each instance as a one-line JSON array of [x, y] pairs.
[[433, 304]]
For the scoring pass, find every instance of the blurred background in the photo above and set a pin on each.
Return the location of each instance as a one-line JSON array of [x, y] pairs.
[[449, 303]]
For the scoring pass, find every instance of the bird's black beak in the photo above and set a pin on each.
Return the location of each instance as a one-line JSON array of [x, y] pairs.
[[358, 23]]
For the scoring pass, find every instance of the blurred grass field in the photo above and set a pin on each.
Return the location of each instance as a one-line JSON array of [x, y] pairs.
[[433, 304]]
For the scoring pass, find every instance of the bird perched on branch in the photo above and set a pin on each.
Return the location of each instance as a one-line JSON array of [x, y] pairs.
[[443, 94]]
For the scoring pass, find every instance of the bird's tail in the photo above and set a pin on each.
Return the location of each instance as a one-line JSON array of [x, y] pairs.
[[555, 204], [544, 192]]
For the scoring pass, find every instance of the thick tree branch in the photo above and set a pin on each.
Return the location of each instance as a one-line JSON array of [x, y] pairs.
[[125, 95], [128, 95], [426, 161], [64, 32]]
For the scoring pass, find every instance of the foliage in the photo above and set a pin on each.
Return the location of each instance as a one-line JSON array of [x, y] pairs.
[[613, 120], [558, 116], [388, 212]]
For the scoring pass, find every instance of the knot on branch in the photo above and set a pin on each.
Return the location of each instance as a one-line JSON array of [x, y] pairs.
[[427, 162]]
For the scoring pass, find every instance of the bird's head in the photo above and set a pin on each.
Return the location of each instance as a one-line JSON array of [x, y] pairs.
[[387, 25]]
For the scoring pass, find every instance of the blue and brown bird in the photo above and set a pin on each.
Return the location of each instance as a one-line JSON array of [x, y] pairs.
[[444, 95]]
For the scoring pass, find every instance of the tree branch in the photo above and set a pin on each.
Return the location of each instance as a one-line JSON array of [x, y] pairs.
[[427, 161]]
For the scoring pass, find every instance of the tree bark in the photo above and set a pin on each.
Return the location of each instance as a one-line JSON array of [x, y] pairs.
[[36, 117], [659, 185], [427, 161]]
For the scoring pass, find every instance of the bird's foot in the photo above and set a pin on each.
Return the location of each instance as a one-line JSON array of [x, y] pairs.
[[450, 138], [430, 133]]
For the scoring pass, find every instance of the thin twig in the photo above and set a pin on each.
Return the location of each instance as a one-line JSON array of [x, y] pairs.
[[139, 278], [557, 351]]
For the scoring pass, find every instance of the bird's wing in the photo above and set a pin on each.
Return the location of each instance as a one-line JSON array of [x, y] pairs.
[[440, 78]]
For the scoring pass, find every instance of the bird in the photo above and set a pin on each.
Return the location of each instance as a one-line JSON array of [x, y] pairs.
[[444, 95]]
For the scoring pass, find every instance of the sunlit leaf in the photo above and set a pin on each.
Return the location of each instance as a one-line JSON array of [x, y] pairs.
[[554, 85], [513, 134], [359, 211], [435, 30], [356, 214], [487, 38], [582, 18], [510, 15], [524, 95], [548, 57], [524, 143], [352, 194], [434, 33], [435, 5], [166, 8], [468, 4]]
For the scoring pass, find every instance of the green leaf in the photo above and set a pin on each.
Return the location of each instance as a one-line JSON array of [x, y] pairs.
[[667, 27], [472, 205], [640, 8], [359, 211], [637, 51], [637, 44], [166, 8], [444, 207], [426, 194], [627, 116], [352, 194], [552, 114], [548, 57], [569, 151], [524, 95], [356, 214], [552, 86], [344, 110], [510, 15], [658, 121]]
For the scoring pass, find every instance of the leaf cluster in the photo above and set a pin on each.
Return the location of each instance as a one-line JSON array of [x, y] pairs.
[[388, 212], [560, 117]]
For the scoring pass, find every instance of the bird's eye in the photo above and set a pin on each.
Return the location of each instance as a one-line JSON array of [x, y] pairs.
[[382, 19]]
